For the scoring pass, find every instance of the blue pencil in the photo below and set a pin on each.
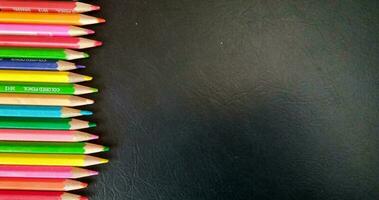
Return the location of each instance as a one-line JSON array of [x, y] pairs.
[[41, 111], [31, 64]]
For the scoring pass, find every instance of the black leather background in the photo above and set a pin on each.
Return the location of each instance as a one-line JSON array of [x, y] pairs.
[[237, 99]]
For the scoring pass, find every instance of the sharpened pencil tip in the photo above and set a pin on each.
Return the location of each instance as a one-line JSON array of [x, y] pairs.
[[101, 20], [84, 185], [91, 124], [85, 55], [80, 67], [87, 78], [95, 7], [86, 112], [94, 173], [83, 198], [98, 43], [106, 148]]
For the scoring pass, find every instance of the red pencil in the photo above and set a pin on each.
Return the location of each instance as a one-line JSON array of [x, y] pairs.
[[46, 6], [34, 195], [63, 42]]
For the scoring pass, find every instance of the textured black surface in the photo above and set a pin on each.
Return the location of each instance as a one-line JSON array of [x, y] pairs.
[[238, 99]]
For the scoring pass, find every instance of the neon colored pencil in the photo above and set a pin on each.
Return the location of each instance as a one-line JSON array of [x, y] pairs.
[[44, 88], [42, 76], [44, 123], [19, 171], [41, 53], [43, 30], [51, 147], [50, 160], [45, 135], [38, 195], [48, 18], [41, 184], [46, 6], [43, 100], [47, 42], [41, 111], [32, 64]]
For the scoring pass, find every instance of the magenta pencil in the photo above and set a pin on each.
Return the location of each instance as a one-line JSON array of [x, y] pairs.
[[45, 135], [43, 30], [16, 171]]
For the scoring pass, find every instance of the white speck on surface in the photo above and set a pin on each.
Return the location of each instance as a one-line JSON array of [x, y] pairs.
[[221, 43], [136, 23]]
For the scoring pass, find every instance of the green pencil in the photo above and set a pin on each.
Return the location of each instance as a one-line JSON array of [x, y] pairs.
[[46, 124], [44, 88], [41, 53], [51, 147]]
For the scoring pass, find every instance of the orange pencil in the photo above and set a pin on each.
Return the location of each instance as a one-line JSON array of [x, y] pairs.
[[48, 18], [40, 184]]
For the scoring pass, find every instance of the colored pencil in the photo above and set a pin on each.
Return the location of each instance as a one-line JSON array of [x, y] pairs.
[[38, 195], [46, 6], [41, 111], [44, 88], [41, 53], [48, 18], [43, 30], [33, 64], [47, 42], [19, 171], [42, 76], [41, 184], [45, 135], [44, 123], [43, 100], [51, 147], [50, 160]]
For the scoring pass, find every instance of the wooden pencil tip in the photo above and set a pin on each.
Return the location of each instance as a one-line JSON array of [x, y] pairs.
[[82, 136], [78, 31], [77, 78], [65, 66], [72, 55], [90, 160], [84, 7], [68, 196], [94, 148], [70, 185], [81, 173], [87, 20], [87, 43], [77, 124]]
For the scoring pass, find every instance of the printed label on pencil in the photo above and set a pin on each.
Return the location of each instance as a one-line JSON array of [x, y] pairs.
[[41, 90]]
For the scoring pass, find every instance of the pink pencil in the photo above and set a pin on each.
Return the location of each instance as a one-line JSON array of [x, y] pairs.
[[43, 30], [15, 171], [47, 42], [45, 135]]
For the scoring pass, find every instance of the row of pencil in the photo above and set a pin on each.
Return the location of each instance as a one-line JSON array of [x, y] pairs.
[[42, 147]]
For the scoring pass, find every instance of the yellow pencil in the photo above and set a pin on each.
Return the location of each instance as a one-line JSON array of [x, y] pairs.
[[50, 160], [43, 100], [42, 76]]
